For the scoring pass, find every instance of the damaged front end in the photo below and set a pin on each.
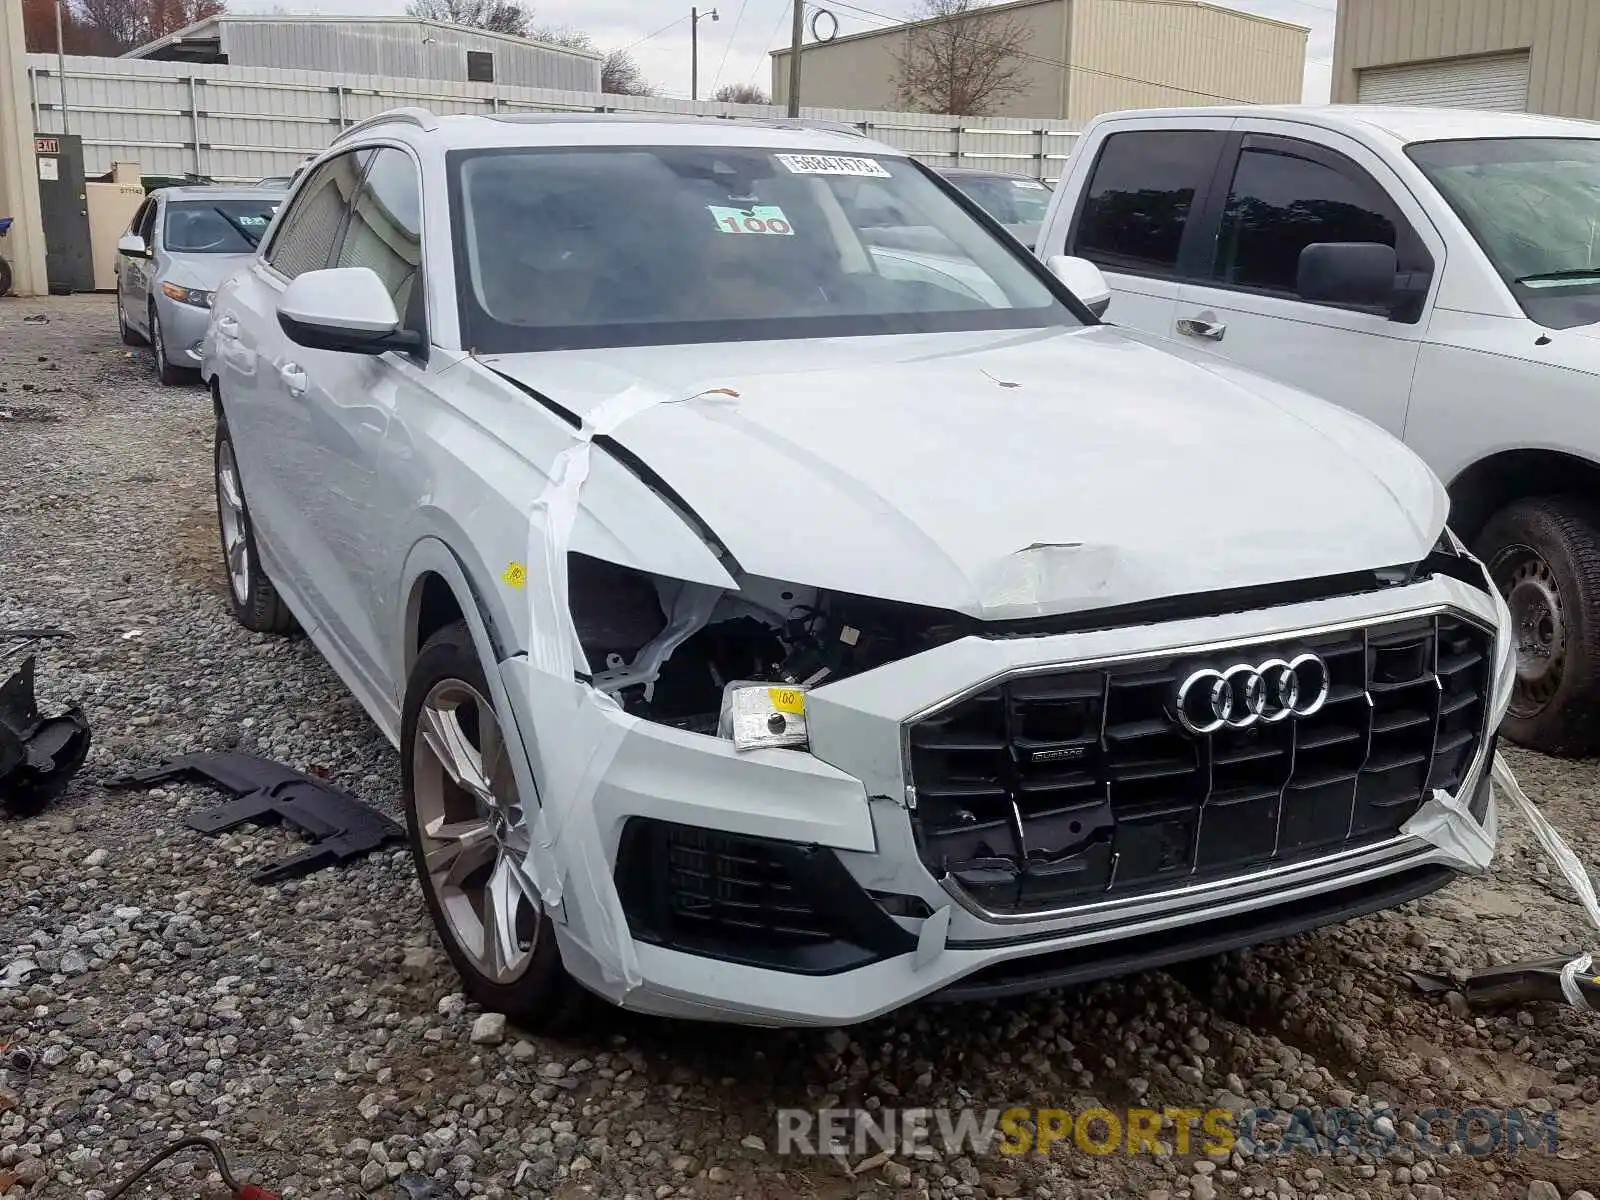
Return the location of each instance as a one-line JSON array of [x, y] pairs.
[[733, 664], [38, 755]]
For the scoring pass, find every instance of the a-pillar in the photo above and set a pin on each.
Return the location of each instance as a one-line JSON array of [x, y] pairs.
[[23, 247]]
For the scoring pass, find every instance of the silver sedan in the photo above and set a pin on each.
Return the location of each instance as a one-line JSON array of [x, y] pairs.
[[180, 246]]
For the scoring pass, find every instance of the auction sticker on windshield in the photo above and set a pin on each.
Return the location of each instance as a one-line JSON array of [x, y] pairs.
[[832, 164], [763, 218]]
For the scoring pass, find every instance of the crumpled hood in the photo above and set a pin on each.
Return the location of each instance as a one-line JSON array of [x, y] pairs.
[[1009, 474]]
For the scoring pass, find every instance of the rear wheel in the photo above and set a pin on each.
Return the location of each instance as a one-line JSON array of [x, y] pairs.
[[469, 831], [255, 602], [129, 336], [170, 373], [1544, 556]]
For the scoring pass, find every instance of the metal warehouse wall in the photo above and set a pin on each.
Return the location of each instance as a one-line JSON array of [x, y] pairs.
[[397, 48], [1192, 53], [245, 123], [1561, 36], [859, 70], [1121, 54]]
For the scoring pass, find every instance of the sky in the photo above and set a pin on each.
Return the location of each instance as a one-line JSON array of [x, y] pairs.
[[733, 49]]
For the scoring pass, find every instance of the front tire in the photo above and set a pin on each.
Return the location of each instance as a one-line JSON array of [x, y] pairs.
[[255, 602], [469, 835], [1543, 554]]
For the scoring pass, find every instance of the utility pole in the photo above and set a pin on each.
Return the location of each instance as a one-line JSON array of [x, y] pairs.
[[61, 69], [695, 17], [797, 33]]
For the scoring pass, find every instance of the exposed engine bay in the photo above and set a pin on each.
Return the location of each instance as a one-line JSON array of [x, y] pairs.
[[667, 650]]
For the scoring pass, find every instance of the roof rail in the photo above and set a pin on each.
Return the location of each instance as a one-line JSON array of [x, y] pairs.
[[409, 115], [817, 123]]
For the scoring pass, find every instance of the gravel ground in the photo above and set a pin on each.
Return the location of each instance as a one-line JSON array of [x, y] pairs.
[[315, 1028]]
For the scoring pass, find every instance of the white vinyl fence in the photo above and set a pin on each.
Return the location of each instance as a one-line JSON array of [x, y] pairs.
[[246, 123]]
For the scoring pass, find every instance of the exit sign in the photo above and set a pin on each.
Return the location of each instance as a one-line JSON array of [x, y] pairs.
[[46, 145]]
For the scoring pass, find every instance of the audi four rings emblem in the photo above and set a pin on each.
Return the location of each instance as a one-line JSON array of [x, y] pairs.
[[1244, 694]]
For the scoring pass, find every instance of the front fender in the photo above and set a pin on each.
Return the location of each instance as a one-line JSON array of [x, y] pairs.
[[486, 615]]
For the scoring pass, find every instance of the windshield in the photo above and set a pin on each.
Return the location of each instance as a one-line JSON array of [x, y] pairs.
[[217, 226], [1007, 199], [616, 246], [1533, 204]]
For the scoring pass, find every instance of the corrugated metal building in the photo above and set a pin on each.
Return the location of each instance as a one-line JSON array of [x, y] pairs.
[[402, 47], [1538, 56], [1083, 58]]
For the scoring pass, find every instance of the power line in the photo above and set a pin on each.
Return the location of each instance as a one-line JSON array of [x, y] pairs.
[[656, 34], [1053, 62], [737, 17], [777, 25]]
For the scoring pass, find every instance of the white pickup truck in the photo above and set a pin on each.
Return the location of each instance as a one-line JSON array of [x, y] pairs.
[[1437, 271]]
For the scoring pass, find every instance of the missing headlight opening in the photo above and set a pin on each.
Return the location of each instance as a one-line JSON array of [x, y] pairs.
[[666, 650]]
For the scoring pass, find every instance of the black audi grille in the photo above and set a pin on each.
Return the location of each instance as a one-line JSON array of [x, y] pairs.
[[1056, 788]]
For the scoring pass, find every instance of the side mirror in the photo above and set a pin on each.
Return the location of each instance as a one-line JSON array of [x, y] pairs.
[[1083, 280], [132, 245], [1347, 273], [345, 309]]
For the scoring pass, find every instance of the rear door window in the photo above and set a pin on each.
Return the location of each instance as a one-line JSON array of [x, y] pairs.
[[1145, 187]]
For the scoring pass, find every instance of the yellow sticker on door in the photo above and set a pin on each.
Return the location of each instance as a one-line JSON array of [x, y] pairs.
[[515, 575]]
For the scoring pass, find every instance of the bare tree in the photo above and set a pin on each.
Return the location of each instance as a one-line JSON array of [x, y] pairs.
[[961, 58], [620, 72], [113, 26], [621, 75], [741, 93], [497, 16]]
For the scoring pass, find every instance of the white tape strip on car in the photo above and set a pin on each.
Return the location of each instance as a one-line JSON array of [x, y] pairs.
[[583, 728], [1446, 823], [1556, 847]]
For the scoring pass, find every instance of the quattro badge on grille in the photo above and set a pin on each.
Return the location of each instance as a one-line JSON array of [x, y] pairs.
[[1244, 694]]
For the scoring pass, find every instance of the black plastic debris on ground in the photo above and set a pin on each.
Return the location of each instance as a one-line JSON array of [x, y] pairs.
[[1511, 983], [338, 826], [39, 755]]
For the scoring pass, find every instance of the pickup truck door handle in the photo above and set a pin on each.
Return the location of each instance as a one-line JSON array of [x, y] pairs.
[[228, 327], [1210, 330], [294, 378]]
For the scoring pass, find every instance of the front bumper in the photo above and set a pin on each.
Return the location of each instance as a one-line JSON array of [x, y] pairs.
[[183, 330], [848, 799]]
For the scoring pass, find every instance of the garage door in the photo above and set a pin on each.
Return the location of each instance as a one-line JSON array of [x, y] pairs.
[[1499, 82]]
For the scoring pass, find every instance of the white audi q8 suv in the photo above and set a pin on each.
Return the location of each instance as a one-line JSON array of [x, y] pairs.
[[777, 628]]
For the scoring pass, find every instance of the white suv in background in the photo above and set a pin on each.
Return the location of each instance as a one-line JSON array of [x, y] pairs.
[[1435, 270], [776, 627]]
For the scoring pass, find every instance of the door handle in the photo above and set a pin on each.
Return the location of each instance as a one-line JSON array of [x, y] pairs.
[[1210, 330], [294, 378], [228, 327]]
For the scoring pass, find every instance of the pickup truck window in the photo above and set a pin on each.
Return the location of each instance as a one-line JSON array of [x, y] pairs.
[[1533, 204], [1280, 203], [1140, 196]]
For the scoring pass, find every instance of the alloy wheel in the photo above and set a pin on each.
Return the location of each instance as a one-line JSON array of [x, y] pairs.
[[235, 523], [157, 343], [474, 831]]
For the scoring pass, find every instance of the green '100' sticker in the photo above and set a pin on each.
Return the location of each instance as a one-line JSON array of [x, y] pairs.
[[763, 218]]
